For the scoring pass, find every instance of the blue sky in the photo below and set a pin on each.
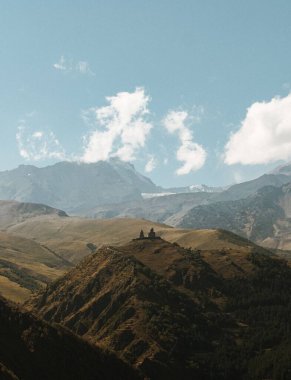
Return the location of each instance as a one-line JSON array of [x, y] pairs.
[[191, 91]]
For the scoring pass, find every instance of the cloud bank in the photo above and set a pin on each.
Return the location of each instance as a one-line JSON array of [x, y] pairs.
[[190, 153], [264, 135], [120, 129]]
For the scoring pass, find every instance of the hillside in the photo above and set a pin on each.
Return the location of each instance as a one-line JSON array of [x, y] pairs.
[[33, 349], [172, 208], [263, 217], [245, 189], [174, 312], [167, 209], [252, 217], [26, 266], [75, 187], [39, 249], [12, 212], [123, 305], [74, 238]]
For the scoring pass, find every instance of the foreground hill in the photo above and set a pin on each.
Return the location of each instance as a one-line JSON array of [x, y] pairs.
[[119, 303], [175, 312], [75, 187], [33, 349]]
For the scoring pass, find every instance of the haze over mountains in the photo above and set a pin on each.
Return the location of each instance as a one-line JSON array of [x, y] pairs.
[[115, 188], [75, 187]]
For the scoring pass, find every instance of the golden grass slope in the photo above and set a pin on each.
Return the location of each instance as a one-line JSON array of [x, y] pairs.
[[26, 266], [12, 212], [69, 237]]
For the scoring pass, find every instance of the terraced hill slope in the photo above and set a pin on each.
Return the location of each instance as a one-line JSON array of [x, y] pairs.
[[33, 349]]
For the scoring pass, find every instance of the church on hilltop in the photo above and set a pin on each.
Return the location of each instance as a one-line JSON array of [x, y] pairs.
[[151, 235]]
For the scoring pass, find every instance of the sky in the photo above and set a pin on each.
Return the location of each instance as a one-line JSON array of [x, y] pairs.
[[188, 91]]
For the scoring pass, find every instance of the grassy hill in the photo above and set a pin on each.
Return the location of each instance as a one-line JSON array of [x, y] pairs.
[[179, 313], [72, 238], [12, 212], [26, 266], [120, 303]]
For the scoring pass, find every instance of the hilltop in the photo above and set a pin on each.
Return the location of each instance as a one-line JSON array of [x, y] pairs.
[[122, 303], [174, 312]]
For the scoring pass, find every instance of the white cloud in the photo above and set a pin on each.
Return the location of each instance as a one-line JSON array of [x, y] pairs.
[[120, 128], [190, 153], [37, 135], [38, 145], [264, 135], [66, 65], [61, 64], [151, 164]]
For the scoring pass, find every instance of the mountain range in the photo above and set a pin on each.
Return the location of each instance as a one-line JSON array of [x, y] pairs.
[[114, 188]]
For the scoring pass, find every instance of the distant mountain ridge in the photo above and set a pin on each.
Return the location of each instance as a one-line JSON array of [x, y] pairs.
[[114, 188], [263, 217], [173, 208], [75, 187]]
